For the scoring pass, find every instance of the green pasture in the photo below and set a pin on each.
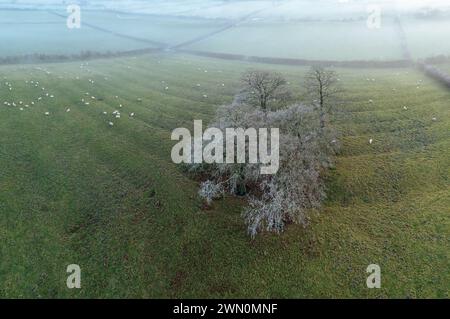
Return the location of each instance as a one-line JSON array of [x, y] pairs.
[[74, 189]]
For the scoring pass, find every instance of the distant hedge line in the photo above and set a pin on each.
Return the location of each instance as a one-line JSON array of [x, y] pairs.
[[435, 73], [84, 55], [438, 59], [289, 61], [87, 55]]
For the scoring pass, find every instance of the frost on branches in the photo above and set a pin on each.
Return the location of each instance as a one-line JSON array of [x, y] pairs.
[[306, 152]]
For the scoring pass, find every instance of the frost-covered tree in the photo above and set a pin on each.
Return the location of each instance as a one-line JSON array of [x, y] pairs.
[[264, 89], [210, 190], [297, 188], [321, 86]]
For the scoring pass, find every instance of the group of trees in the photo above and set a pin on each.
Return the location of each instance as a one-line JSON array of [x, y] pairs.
[[306, 148], [268, 91]]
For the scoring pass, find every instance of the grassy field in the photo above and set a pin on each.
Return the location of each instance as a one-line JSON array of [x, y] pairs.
[[445, 67], [307, 40], [75, 190]]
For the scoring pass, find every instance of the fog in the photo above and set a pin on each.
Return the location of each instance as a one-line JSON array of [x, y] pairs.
[[235, 9], [336, 30]]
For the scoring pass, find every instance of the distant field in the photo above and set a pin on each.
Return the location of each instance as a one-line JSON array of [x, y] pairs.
[[426, 37], [170, 30], [25, 32], [444, 67], [307, 40], [75, 190]]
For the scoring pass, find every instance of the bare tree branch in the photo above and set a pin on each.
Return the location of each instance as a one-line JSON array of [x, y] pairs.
[[322, 87], [264, 89]]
